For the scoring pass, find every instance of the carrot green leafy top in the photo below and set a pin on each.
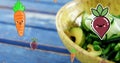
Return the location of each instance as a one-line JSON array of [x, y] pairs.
[[73, 50], [99, 11], [18, 6]]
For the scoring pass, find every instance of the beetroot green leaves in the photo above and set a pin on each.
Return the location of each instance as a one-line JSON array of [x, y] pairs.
[[95, 12], [104, 12], [34, 39], [99, 11]]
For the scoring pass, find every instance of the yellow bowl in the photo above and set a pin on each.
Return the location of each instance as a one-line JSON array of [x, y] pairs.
[[66, 15]]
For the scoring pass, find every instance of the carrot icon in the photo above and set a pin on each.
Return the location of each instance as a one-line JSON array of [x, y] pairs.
[[19, 17], [72, 55]]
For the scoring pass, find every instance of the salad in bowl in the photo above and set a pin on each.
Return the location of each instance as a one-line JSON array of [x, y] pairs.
[[92, 27]]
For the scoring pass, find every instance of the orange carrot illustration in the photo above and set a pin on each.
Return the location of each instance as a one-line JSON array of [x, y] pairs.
[[72, 55], [19, 17]]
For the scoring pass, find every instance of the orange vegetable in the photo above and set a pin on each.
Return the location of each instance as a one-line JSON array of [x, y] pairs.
[[72, 57], [55, 1], [19, 18]]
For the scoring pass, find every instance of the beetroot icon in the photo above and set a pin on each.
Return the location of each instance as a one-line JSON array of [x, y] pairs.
[[100, 23], [33, 44]]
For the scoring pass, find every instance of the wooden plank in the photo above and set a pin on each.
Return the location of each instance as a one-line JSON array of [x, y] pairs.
[[15, 54], [40, 46], [37, 26], [59, 2], [50, 8], [35, 20], [43, 36]]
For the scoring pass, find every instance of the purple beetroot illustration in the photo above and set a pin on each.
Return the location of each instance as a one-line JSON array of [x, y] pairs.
[[33, 44], [100, 23]]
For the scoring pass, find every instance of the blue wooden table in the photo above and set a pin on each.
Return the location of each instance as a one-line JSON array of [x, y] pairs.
[[40, 24]]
